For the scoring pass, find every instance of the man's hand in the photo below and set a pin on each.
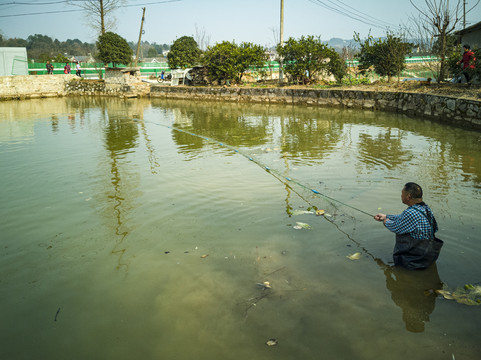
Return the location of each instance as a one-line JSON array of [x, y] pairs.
[[380, 217]]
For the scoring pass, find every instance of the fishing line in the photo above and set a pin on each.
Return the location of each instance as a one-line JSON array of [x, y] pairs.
[[283, 179], [286, 180]]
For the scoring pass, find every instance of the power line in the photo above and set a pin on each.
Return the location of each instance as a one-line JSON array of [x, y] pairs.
[[63, 11], [350, 14], [366, 15], [40, 3]]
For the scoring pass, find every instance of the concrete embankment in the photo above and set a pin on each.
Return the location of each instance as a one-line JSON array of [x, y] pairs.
[[446, 109]]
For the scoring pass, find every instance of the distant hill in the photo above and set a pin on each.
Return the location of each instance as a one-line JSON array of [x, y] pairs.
[[338, 44]]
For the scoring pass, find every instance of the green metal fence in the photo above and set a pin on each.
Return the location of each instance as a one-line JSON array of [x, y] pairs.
[[97, 70]]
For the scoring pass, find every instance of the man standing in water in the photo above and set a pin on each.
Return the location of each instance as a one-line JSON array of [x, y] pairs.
[[416, 245]]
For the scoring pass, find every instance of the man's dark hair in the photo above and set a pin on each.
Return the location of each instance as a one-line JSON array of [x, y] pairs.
[[466, 46], [414, 189]]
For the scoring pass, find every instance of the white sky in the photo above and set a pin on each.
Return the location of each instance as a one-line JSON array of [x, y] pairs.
[[240, 20]]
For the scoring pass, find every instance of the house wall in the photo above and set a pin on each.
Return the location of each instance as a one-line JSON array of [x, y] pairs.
[[13, 61], [473, 39]]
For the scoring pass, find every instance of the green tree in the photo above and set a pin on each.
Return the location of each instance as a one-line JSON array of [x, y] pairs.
[[228, 61], [114, 48], [40, 47], [13, 42], [251, 56], [60, 58], [221, 61], [152, 52], [337, 65], [387, 56], [184, 53], [305, 59]]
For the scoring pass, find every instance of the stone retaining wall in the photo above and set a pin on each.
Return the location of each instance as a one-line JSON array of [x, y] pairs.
[[466, 113], [102, 88], [33, 86], [39, 86]]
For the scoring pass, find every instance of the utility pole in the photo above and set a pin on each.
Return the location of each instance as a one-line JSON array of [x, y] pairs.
[[140, 37], [281, 41], [464, 14]]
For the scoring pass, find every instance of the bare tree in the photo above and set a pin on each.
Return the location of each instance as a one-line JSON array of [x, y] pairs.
[[275, 35], [99, 13], [434, 23], [201, 37]]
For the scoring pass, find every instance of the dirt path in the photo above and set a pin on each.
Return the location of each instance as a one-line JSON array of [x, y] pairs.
[[464, 91]]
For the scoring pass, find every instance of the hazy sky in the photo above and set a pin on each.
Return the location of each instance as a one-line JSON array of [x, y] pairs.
[[255, 21]]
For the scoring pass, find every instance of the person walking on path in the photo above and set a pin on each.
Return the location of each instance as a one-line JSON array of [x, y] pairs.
[[467, 60], [416, 245], [49, 68], [77, 67], [66, 68]]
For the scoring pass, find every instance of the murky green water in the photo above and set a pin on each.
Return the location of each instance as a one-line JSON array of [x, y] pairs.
[[106, 214]]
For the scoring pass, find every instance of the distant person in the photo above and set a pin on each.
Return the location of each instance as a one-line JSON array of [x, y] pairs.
[[162, 75], [66, 68], [467, 60], [77, 67], [416, 245], [49, 68]]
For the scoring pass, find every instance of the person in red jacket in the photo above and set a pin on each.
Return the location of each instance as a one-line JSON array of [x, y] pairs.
[[467, 60]]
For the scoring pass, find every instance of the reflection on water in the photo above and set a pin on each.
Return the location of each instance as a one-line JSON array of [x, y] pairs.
[[156, 237], [409, 292], [121, 136]]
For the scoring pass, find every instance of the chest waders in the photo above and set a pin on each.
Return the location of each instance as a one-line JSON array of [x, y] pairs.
[[416, 254]]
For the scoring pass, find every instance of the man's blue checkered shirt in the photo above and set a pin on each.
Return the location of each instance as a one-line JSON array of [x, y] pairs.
[[412, 222]]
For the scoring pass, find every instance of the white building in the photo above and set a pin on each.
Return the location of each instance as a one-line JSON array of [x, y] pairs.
[[13, 61]]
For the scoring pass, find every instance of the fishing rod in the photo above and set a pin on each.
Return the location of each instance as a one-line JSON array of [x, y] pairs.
[[276, 174]]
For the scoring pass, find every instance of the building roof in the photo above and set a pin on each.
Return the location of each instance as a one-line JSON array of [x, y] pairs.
[[469, 29]]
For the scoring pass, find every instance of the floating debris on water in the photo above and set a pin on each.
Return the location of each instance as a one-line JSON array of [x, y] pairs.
[[56, 314], [301, 212], [301, 225], [467, 295], [271, 342], [204, 256], [355, 256], [265, 285], [446, 294], [320, 212]]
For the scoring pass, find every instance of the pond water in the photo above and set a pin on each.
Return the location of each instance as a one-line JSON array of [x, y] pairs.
[[140, 229]]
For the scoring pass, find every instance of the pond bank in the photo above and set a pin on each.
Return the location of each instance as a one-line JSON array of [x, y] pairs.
[[446, 109]]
